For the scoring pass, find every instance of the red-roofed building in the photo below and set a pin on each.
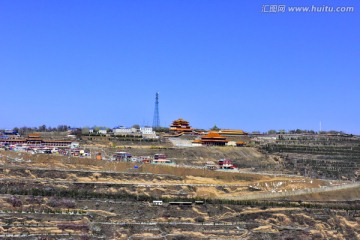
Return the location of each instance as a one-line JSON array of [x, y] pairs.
[[226, 164], [181, 126], [212, 139], [35, 139]]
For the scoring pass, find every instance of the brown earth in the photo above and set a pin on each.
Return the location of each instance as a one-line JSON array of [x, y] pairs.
[[76, 198]]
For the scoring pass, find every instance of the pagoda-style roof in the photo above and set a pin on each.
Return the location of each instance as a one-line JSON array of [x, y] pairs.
[[34, 135], [180, 125], [214, 136], [35, 138], [180, 121]]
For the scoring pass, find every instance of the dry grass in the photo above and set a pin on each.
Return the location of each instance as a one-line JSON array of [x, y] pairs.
[[183, 172], [257, 210], [282, 218], [204, 214], [102, 213], [205, 192], [336, 195], [185, 175], [266, 228], [348, 223]]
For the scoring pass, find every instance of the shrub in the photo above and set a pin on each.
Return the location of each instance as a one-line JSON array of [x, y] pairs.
[[73, 226], [199, 219], [14, 201], [67, 203], [34, 200]]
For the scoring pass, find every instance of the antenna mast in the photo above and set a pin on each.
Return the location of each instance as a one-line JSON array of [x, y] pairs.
[[156, 119]]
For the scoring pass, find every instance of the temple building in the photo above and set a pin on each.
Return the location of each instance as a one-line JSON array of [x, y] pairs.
[[240, 143], [181, 126], [196, 143], [36, 140], [212, 139], [231, 132]]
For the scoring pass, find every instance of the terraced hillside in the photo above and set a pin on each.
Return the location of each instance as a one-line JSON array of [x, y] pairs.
[[28, 217], [243, 157], [52, 197], [318, 156]]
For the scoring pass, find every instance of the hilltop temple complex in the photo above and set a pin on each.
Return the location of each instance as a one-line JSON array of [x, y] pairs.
[[181, 126], [35, 139]]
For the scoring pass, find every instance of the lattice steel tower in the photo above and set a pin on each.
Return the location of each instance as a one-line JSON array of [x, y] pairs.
[[156, 120]]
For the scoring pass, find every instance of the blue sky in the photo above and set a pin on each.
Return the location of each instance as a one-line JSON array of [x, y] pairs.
[[86, 63]]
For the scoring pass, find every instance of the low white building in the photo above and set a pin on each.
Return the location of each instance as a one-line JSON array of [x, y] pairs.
[[124, 131], [103, 131], [231, 143], [158, 202], [148, 132]]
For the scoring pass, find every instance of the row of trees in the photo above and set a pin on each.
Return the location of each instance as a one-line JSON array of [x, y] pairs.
[[302, 131], [297, 131], [64, 128], [42, 128]]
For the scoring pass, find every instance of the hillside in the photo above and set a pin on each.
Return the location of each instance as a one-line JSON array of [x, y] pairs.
[[318, 156], [76, 198]]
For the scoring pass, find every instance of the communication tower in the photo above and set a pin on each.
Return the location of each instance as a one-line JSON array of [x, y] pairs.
[[156, 119]]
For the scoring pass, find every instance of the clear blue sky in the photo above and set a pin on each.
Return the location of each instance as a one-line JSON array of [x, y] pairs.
[[86, 63]]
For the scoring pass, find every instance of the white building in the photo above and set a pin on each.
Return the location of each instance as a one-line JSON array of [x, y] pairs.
[[158, 202], [148, 132], [103, 131], [124, 131], [231, 143]]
